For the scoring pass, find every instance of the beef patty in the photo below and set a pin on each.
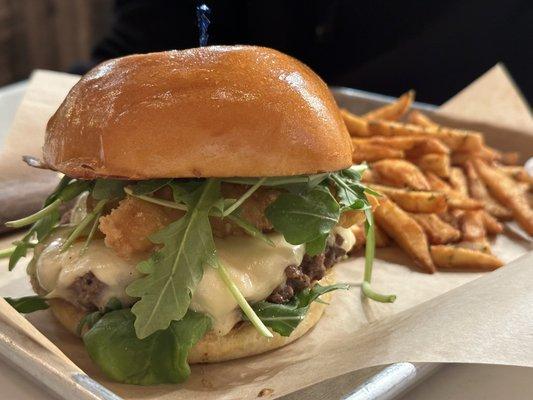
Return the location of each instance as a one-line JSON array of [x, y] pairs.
[[310, 270], [88, 288]]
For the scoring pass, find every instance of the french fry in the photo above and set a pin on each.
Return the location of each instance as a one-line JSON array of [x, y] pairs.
[[455, 139], [360, 238], [506, 191], [371, 152], [414, 146], [414, 201], [492, 226], [437, 231], [452, 217], [393, 111], [400, 173], [462, 258], [455, 199], [382, 240], [439, 164], [368, 176], [510, 158], [425, 146], [356, 125], [473, 226], [458, 180], [405, 232], [479, 191], [490, 154], [481, 245], [486, 153], [417, 118], [516, 172]]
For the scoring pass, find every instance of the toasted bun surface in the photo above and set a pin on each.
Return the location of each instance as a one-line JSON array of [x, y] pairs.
[[242, 341], [215, 111]]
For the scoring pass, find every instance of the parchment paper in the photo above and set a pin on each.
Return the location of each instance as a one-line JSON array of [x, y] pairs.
[[437, 318]]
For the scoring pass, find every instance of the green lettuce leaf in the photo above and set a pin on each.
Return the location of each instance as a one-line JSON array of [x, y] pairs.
[[159, 358], [174, 271], [284, 318]]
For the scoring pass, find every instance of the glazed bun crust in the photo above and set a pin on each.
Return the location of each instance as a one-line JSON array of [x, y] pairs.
[[216, 111], [241, 341]]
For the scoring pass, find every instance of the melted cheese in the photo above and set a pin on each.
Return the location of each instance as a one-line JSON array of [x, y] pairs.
[[348, 238], [255, 267], [57, 271]]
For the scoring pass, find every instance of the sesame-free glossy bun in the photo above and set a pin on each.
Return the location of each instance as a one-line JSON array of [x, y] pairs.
[[216, 111]]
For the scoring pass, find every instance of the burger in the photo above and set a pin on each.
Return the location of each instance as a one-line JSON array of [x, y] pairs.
[[213, 191]]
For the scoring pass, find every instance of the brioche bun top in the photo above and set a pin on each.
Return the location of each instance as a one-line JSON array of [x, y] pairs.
[[217, 111]]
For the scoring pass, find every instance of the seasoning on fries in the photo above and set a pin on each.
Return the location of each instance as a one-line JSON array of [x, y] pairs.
[[445, 192]]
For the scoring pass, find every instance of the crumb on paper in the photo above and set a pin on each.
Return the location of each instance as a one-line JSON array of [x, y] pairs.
[[265, 392]]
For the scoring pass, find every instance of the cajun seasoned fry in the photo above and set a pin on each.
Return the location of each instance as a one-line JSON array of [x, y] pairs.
[[492, 226], [368, 176], [455, 139], [393, 111], [510, 158], [516, 172], [382, 240], [463, 258], [455, 199], [473, 226], [360, 238], [400, 173], [439, 164], [356, 125], [452, 217], [405, 231], [425, 146], [414, 146], [458, 181], [417, 118], [481, 245], [479, 191], [414, 201], [437, 231], [506, 190], [372, 152]]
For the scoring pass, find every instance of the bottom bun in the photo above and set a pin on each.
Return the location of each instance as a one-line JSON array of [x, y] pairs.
[[241, 341]]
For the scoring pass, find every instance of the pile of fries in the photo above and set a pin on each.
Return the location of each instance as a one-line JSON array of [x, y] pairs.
[[445, 192]]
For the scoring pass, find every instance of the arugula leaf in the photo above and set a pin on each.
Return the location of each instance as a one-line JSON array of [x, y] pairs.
[[107, 189], [316, 246], [156, 359], [150, 186], [310, 181], [28, 304], [284, 318], [304, 218], [91, 319], [45, 220], [84, 223], [174, 271], [350, 192]]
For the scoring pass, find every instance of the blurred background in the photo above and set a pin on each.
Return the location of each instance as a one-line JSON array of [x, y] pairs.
[[435, 47]]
